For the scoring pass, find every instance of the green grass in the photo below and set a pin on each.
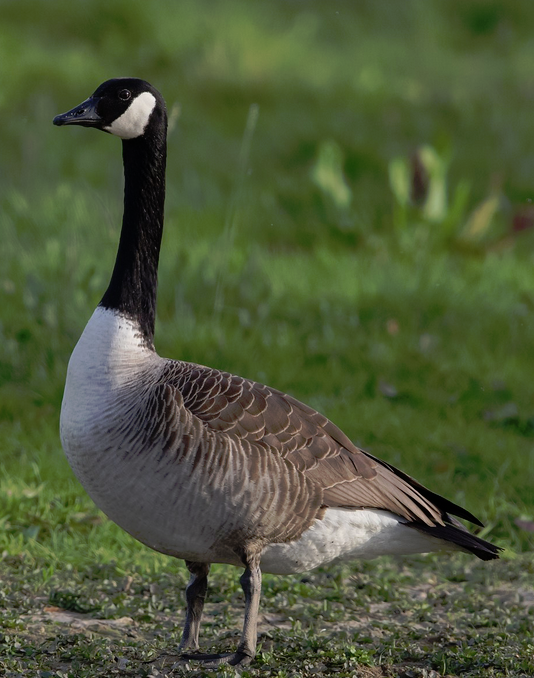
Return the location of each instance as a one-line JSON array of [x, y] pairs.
[[293, 254], [387, 619]]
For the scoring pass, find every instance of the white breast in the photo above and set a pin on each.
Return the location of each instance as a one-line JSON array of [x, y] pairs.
[[109, 355], [143, 489], [99, 421]]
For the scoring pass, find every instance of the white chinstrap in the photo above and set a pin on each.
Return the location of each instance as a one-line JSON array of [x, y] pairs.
[[132, 123]]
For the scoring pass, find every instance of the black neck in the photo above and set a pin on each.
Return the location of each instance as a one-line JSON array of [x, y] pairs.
[[133, 286]]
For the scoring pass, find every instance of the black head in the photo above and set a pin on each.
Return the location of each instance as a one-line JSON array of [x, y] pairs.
[[126, 107]]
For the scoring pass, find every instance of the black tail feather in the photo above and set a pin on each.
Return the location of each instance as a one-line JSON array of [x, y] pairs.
[[462, 538]]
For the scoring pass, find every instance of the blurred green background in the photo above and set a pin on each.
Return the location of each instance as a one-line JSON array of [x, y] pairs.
[[349, 219]]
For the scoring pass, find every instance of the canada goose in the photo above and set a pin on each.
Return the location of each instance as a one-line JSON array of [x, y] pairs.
[[207, 466]]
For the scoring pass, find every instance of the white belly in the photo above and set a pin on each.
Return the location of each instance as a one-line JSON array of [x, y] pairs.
[[348, 535]]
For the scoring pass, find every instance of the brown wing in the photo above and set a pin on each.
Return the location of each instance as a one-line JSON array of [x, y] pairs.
[[348, 476]]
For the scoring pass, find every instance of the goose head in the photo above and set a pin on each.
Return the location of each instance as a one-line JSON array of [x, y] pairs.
[[129, 108]]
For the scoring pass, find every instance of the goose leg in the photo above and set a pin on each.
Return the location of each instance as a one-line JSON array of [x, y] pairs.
[[246, 650], [195, 595], [251, 585]]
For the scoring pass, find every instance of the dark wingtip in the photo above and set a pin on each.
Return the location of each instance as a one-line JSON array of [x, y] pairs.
[[440, 502]]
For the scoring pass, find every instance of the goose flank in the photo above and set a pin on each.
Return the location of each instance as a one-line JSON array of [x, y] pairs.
[[204, 465]]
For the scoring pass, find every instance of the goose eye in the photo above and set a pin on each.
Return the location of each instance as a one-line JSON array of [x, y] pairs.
[[125, 94]]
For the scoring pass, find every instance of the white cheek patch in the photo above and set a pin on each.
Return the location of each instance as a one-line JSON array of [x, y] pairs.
[[133, 121]]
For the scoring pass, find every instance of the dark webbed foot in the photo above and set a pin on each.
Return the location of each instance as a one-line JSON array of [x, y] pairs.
[[231, 658]]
